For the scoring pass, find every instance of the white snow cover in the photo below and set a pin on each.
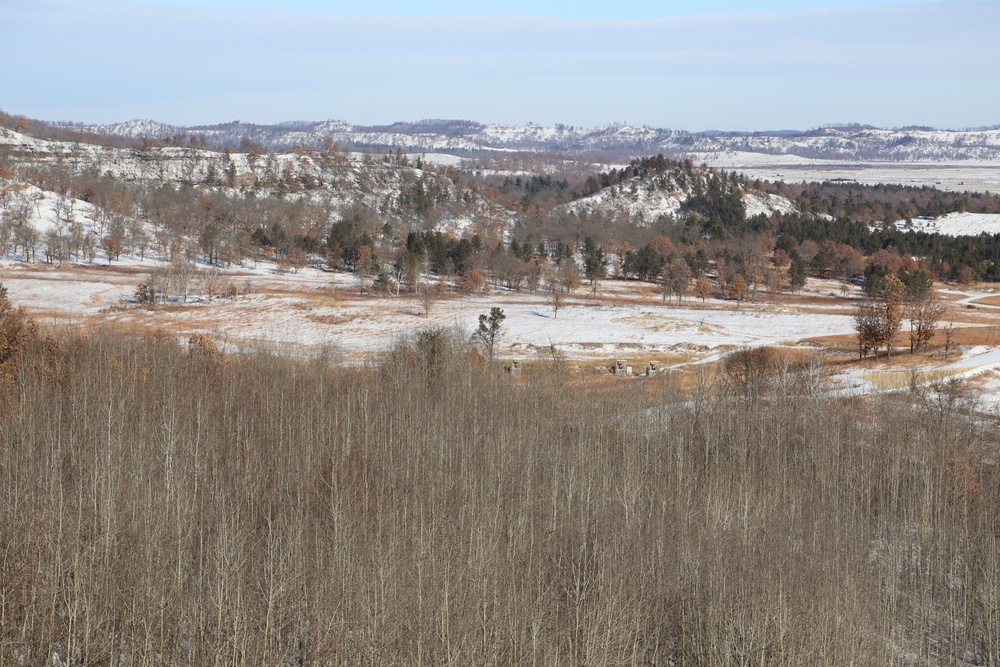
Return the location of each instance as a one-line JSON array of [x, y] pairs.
[[342, 179], [644, 202], [440, 159], [761, 203], [607, 328], [730, 159], [970, 175], [640, 201], [845, 143], [956, 224], [316, 310], [47, 211]]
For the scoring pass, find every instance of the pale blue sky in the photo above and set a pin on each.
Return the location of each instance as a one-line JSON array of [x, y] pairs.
[[713, 64], [579, 9]]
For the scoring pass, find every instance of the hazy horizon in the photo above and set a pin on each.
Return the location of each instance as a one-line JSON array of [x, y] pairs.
[[418, 121], [724, 65]]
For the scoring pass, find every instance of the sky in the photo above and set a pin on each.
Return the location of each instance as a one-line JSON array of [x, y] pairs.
[[690, 65]]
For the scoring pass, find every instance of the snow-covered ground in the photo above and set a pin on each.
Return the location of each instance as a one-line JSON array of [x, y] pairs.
[[50, 293], [639, 200], [441, 159], [47, 211], [760, 203], [958, 176], [585, 330], [314, 309], [316, 312], [730, 159], [956, 224], [645, 202]]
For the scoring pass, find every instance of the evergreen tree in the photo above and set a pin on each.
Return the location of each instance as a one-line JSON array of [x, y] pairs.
[[797, 273], [594, 264], [490, 330]]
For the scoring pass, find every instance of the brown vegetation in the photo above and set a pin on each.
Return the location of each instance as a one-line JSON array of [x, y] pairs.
[[160, 507]]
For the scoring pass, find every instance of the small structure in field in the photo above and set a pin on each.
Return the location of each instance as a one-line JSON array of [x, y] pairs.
[[515, 367], [621, 368], [653, 368]]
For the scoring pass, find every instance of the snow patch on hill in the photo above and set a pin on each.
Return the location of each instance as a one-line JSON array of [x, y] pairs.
[[638, 202], [48, 211], [762, 203], [955, 224]]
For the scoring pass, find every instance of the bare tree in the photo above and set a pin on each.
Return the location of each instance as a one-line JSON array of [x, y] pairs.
[[556, 299], [868, 326], [426, 298], [924, 314]]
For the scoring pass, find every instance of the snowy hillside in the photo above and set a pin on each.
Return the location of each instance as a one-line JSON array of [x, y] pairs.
[[393, 185], [649, 204], [650, 189], [761, 203], [47, 211], [833, 143], [644, 203]]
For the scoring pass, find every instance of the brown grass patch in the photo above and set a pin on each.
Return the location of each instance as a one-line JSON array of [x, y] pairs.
[[309, 296], [895, 380], [961, 336], [833, 341], [975, 335], [331, 320], [51, 315], [800, 299]]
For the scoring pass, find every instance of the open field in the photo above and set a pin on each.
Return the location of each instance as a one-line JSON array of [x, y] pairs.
[[319, 313], [959, 176], [312, 310]]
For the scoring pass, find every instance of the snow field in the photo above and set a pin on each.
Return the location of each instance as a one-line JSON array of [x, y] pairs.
[[314, 309], [956, 224]]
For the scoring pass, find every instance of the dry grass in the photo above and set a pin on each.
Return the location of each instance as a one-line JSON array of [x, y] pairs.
[[896, 380], [969, 335]]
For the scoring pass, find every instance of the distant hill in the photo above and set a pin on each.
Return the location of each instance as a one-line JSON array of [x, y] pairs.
[[463, 137]]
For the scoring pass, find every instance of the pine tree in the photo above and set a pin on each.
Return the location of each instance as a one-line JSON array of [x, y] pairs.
[[490, 330], [797, 274], [594, 264]]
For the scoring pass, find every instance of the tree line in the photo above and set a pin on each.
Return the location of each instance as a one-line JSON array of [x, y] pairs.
[[222, 225]]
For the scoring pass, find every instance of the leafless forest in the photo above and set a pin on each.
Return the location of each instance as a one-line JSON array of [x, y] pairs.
[[176, 506]]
